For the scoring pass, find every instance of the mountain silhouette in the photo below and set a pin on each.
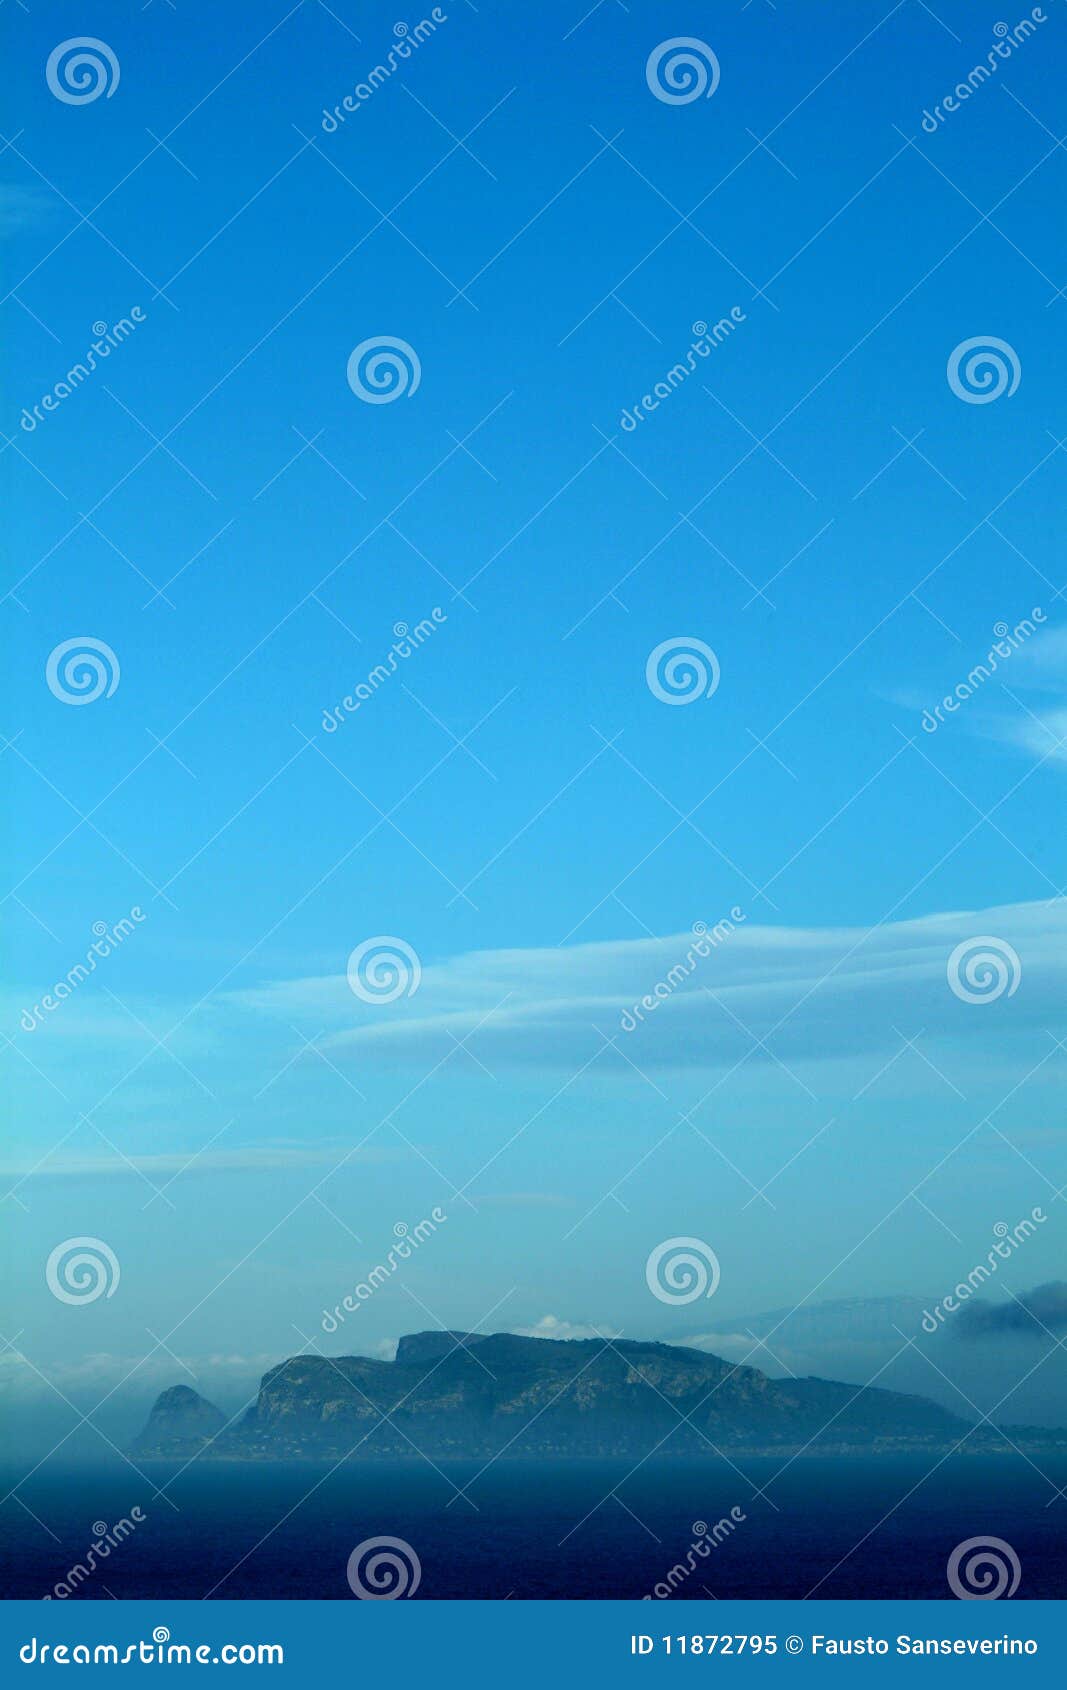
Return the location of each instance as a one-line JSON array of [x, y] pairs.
[[467, 1395]]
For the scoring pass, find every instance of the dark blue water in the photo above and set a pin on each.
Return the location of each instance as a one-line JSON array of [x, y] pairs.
[[835, 1528]]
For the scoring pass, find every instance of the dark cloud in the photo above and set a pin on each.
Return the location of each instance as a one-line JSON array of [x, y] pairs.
[[1035, 1313]]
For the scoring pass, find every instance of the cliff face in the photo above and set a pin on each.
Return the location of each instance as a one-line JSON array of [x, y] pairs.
[[482, 1393], [453, 1394]]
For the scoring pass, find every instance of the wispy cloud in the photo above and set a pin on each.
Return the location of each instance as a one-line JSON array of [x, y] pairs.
[[809, 993], [551, 1326], [249, 1158], [1038, 723], [23, 1378], [23, 208]]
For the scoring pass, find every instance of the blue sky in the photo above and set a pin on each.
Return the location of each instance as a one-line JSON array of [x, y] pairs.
[[217, 506]]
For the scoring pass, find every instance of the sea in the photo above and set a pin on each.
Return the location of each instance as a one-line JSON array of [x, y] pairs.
[[678, 1530]]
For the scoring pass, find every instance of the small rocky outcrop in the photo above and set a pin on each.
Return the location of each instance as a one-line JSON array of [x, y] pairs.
[[182, 1423]]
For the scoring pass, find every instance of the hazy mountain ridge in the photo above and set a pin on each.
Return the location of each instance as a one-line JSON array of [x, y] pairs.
[[465, 1395], [979, 1361]]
